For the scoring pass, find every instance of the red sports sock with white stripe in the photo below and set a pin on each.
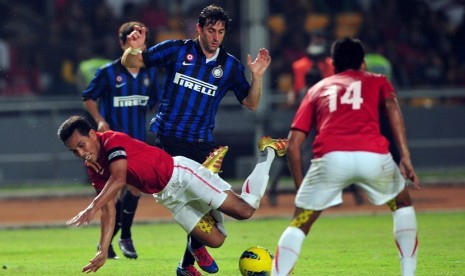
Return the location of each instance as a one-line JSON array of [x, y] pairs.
[[405, 233]]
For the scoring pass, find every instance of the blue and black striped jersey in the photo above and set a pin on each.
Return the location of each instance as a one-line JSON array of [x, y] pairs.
[[193, 88], [123, 99]]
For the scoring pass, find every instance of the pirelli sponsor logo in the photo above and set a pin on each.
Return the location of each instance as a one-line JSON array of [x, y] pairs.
[[134, 100], [195, 84], [116, 153]]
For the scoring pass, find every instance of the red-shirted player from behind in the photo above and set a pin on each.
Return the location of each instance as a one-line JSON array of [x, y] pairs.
[[349, 148]]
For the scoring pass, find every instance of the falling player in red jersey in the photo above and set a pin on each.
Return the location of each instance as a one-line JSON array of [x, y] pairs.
[[193, 192]]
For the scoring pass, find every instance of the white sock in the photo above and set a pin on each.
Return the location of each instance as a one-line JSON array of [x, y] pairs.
[[405, 233], [254, 186], [288, 251]]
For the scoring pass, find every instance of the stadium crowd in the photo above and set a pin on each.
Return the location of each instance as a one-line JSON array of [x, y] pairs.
[[43, 41]]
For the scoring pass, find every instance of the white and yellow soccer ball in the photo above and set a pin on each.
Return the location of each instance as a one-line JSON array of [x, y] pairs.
[[256, 261]]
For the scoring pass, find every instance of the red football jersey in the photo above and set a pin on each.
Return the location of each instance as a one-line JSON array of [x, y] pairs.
[[344, 109], [149, 168]]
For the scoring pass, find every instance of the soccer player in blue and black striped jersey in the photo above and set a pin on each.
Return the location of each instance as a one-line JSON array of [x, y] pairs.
[[118, 98], [199, 73]]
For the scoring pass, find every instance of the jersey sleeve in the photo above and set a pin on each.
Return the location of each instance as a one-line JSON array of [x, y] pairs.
[[386, 89], [160, 54], [96, 87], [304, 116], [241, 87], [114, 149], [155, 88]]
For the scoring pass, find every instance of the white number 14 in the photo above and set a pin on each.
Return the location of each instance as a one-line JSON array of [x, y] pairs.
[[352, 96]]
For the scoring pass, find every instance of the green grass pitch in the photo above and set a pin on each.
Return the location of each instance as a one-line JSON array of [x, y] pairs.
[[337, 245]]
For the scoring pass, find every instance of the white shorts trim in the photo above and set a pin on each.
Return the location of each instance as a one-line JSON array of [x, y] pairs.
[[192, 192], [377, 174]]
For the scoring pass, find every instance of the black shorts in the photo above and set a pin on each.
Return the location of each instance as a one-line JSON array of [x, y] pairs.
[[197, 151]]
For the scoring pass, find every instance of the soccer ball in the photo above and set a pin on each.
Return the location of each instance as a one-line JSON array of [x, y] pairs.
[[256, 261]]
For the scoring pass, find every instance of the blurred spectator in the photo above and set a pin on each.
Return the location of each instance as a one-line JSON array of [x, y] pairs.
[[120, 8], [424, 44], [311, 68], [87, 69], [377, 63], [23, 77], [288, 48], [153, 15]]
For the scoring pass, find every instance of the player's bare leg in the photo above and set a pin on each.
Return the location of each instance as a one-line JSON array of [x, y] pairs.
[[207, 232], [195, 249]]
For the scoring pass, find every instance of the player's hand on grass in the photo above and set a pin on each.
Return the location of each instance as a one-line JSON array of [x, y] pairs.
[[97, 262]]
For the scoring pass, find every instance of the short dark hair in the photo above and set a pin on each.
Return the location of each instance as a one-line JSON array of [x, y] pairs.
[[210, 15], [347, 53], [67, 128], [127, 28]]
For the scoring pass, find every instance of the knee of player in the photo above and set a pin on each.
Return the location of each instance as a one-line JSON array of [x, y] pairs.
[[244, 211], [243, 214], [238, 209], [400, 201], [134, 191], [217, 241]]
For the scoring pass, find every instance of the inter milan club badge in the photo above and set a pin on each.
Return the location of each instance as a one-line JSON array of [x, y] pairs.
[[146, 81], [189, 57], [119, 79], [217, 72]]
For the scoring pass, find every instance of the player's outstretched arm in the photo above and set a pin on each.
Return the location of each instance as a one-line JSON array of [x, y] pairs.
[[107, 226], [118, 170], [257, 68]]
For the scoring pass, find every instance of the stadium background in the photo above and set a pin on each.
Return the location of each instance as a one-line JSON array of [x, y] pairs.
[[42, 42]]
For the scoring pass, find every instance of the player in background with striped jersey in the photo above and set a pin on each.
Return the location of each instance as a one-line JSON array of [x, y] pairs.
[[198, 74], [349, 148], [118, 98]]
